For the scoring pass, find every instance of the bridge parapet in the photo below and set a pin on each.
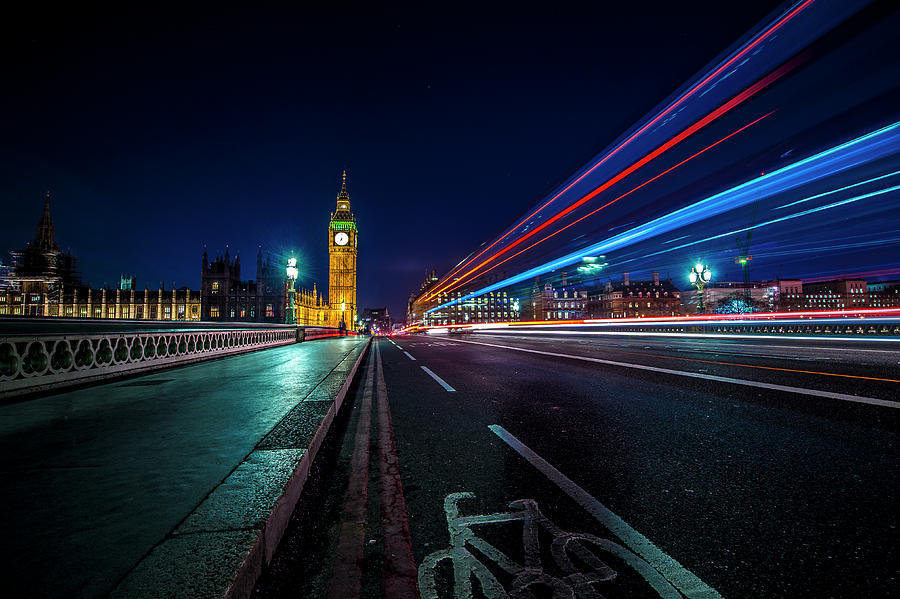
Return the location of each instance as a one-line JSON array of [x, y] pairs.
[[871, 327], [853, 327], [33, 363]]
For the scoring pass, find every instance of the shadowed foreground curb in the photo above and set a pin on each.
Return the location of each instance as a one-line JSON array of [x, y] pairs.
[[220, 549]]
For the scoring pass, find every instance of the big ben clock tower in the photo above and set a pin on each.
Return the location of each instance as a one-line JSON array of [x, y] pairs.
[[342, 248]]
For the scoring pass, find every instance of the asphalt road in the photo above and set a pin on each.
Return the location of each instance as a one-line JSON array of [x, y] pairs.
[[696, 468]]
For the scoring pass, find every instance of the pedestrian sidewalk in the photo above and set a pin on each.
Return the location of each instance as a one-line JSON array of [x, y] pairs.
[[175, 484]]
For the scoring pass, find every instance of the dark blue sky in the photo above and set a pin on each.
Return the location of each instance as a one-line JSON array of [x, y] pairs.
[[159, 133]]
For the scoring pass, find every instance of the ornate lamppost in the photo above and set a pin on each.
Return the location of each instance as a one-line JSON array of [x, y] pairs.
[[292, 272], [700, 276]]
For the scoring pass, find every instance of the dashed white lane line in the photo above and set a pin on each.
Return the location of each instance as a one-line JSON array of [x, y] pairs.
[[409, 355], [439, 380], [682, 578], [707, 377]]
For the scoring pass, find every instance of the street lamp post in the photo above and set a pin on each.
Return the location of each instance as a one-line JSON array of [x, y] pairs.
[[700, 276], [292, 272]]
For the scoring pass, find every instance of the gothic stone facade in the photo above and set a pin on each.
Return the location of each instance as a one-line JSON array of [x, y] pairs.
[[228, 298], [44, 282]]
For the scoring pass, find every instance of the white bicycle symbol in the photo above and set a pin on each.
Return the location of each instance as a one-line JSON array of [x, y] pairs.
[[530, 575]]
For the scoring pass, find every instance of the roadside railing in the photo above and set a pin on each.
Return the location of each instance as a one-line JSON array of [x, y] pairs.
[[845, 328], [33, 363]]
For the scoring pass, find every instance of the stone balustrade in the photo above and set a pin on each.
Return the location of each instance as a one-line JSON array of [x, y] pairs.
[[37, 363]]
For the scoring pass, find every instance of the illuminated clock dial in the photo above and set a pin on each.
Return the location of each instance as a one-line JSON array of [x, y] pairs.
[[341, 238]]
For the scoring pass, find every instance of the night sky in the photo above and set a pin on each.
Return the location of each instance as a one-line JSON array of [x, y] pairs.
[[161, 133]]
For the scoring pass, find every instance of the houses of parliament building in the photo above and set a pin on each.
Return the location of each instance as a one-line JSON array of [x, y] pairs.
[[226, 297], [43, 281]]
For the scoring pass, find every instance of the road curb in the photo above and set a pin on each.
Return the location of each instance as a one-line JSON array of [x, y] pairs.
[[227, 559], [270, 536]]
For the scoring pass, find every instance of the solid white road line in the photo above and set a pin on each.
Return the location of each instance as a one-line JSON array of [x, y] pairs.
[[409, 355], [439, 380], [707, 377], [682, 578]]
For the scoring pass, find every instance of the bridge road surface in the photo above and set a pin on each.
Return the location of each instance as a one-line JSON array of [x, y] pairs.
[[93, 478], [730, 488]]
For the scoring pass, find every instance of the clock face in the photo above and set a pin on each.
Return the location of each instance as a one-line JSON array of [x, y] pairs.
[[341, 238]]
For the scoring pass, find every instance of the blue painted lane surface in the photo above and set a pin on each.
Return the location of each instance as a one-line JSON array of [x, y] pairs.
[[92, 479]]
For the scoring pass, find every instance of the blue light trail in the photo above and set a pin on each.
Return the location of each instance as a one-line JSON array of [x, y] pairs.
[[864, 196], [833, 191], [873, 146]]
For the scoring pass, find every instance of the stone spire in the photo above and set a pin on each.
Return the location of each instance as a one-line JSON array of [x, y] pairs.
[[343, 202], [44, 237], [259, 264], [343, 195]]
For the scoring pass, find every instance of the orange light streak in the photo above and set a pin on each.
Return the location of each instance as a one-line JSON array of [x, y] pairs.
[[847, 376]]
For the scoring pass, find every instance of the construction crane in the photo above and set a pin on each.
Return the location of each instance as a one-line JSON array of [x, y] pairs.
[[744, 257]]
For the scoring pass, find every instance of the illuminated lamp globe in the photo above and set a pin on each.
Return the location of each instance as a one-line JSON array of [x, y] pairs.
[[693, 277], [291, 269], [707, 275], [698, 268]]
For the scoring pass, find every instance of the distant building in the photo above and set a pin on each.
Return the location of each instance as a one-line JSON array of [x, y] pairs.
[[343, 247], [565, 302], [419, 301], [376, 320], [793, 295], [495, 306], [637, 299], [38, 272], [838, 294], [6, 277], [733, 297], [884, 294], [43, 281], [226, 297], [786, 295]]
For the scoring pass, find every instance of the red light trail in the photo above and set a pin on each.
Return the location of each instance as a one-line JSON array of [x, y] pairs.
[[759, 38], [709, 118], [800, 318], [575, 222]]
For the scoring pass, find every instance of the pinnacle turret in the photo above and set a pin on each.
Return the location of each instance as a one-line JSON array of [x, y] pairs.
[[44, 238], [343, 200]]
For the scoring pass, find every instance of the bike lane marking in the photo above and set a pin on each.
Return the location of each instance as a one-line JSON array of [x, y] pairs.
[[400, 573], [346, 573], [682, 578], [440, 381], [409, 355], [707, 377]]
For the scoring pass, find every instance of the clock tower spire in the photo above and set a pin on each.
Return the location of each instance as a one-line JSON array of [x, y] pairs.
[[342, 251]]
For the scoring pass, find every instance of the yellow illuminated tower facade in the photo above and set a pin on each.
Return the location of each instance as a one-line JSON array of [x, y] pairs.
[[343, 238]]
